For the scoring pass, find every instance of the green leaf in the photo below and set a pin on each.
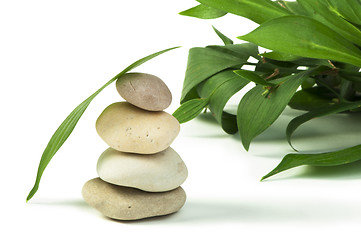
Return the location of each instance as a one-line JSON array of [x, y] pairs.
[[336, 158], [205, 62], [311, 99], [203, 12], [298, 121], [66, 128], [280, 56], [190, 109], [224, 38], [348, 9], [258, 11], [229, 123], [257, 112], [253, 77], [306, 37], [320, 10], [293, 7], [220, 88]]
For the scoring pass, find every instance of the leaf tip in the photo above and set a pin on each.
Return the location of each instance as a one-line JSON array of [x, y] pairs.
[[243, 37]]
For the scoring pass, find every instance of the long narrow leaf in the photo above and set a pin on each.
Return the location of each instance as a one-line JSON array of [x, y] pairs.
[[320, 10], [258, 11], [306, 37], [298, 121], [205, 62], [344, 156], [203, 12], [66, 128], [253, 77], [225, 39], [348, 9], [220, 88], [257, 112], [190, 109]]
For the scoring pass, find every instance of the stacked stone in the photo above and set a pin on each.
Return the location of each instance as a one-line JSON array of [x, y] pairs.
[[139, 174]]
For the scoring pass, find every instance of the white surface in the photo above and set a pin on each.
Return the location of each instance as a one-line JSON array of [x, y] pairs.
[[54, 54]]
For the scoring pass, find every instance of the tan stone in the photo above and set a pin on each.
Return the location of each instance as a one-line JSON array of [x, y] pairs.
[[145, 91], [124, 203], [157, 172], [127, 128]]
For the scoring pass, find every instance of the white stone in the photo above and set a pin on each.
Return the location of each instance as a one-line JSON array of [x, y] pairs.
[[127, 128], [157, 172], [124, 203]]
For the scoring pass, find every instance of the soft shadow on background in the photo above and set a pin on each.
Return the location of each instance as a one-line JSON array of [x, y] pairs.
[[284, 211]]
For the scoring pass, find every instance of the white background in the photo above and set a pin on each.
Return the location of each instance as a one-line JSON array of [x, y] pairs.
[[54, 54]]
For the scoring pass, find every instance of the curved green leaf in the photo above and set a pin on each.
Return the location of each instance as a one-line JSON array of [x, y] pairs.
[[348, 9], [229, 123], [320, 10], [224, 38], [66, 128], [306, 37], [257, 112], [344, 156], [253, 77], [258, 11], [205, 62], [203, 12], [220, 88], [293, 7], [279, 56], [311, 99], [298, 121], [190, 109]]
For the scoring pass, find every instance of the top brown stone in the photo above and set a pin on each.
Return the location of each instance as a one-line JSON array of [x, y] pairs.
[[145, 91]]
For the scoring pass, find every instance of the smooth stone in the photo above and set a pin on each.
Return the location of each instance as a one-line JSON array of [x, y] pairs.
[[145, 91], [157, 172], [127, 128], [124, 203]]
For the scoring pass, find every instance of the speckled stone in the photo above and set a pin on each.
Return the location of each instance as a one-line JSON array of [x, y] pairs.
[[127, 128]]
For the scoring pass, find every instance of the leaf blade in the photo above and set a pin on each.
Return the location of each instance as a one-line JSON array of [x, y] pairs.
[[203, 12], [298, 121], [305, 37], [205, 62], [336, 158], [190, 109], [225, 39], [258, 11], [253, 77], [257, 112], [220, 88]]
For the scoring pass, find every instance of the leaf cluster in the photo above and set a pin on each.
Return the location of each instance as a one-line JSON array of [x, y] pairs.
[[313, 65]]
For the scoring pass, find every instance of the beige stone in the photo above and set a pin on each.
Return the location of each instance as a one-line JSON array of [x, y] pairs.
[[145, 91], [157, 172], [127, 128], [124, 203]]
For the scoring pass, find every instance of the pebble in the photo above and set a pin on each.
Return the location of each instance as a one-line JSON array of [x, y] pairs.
[[145, 91], [124, 203], [127, 128], [157, 172]]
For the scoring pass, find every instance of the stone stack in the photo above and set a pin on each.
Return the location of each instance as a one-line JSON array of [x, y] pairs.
[[139, 174]]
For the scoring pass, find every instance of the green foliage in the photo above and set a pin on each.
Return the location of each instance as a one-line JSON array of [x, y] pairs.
[[203, 12], [257, 110], [314, 66], [68, 125], [258, 11]]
